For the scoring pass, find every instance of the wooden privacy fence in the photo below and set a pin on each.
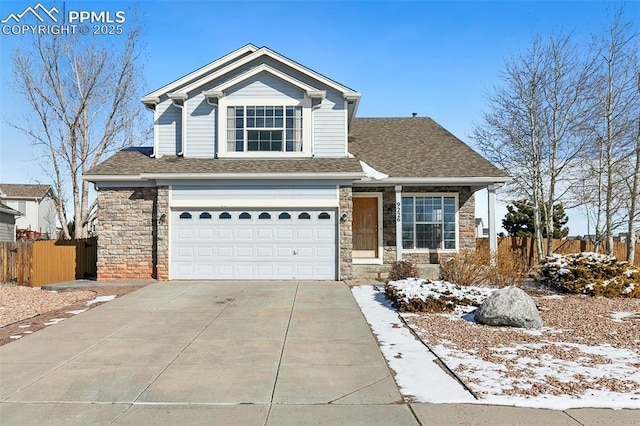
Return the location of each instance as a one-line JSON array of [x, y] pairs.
[[35, 263], [524, 248]]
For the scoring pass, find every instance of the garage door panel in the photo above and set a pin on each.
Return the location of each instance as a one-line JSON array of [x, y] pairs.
[[265, 252], [284, 234], [264, 233], [245, 253], [244, 233], [223, 234], [281, 245]]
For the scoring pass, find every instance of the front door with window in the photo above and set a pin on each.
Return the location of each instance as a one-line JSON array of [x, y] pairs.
[[365, 227]]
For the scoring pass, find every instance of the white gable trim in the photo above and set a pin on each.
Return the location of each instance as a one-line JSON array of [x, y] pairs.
[[151, 97], [311, 91], [263, 51]]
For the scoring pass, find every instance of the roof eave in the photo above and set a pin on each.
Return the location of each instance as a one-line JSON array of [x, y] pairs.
[[223, 176], [430, 181], [250, 176]]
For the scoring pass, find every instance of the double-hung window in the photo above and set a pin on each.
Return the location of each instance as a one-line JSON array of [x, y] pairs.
[[264, 128], [429, 222]]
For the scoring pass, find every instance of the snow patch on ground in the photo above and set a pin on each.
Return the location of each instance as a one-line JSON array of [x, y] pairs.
[[101, 299], [420, 379], [417, 375]]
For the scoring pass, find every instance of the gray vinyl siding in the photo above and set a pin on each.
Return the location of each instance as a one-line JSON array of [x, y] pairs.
[[201, 128], [329, 127], [264, 86], [328, 119], [169, 128], [7, 227], [226, 193]]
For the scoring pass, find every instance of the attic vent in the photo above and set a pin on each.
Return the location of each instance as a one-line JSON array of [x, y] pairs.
[[414, 114]]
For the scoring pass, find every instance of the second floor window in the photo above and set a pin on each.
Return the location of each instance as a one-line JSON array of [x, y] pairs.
[[264, 128]]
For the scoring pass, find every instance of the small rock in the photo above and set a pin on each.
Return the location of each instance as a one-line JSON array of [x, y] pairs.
[[509, 306]]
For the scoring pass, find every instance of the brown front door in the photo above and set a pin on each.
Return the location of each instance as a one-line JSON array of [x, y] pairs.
[[365, 227]]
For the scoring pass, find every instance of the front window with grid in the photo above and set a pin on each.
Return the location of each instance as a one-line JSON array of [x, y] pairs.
[[429, 222], [264, 128]]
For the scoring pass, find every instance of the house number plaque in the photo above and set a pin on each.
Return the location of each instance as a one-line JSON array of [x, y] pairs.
[[398, 213]]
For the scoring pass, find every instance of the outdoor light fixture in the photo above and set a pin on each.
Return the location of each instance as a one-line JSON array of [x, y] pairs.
[[163, 218], [343, 217]]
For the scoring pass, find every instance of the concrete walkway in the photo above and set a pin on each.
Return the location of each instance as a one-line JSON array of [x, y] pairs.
[[240, 353]]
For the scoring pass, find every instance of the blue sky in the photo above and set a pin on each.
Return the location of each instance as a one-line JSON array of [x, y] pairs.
[[439, 59]]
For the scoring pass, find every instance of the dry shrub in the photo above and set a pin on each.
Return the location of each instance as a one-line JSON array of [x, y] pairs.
[[402, 269], [467, 267], [507, 269]]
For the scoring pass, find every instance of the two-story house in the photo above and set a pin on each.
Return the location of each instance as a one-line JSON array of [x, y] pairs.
[[261, 170], [36, 206]]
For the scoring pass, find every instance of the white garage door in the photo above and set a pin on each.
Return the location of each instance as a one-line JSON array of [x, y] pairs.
[[253, 244]]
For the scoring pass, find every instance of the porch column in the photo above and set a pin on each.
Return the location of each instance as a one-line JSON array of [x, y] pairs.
[[493, 238], [398, 222]]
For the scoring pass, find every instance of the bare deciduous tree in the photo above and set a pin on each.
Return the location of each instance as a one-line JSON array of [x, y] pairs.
[[532, 128], [608, 190], [84, 100]]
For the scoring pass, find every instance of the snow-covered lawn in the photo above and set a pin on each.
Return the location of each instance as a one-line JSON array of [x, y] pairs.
[[587, 355]]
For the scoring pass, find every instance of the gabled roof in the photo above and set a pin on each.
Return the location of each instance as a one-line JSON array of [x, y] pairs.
[[418, 149], [212, 71], [6, 209], [137, 164], [23, 191], [199, 73]]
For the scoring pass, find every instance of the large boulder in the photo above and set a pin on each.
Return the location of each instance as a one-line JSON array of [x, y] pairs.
[[509, 306]]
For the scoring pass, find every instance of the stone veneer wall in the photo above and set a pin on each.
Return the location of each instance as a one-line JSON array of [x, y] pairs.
[[345, 234], [132, 243], [466, 220]]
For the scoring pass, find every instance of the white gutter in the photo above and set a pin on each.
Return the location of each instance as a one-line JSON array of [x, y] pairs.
[[221, 176], [435, 181], [248, 176]]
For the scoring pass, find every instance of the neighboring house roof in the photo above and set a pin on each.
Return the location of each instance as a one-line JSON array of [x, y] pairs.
[[6, 209], [417, 147], [23, 191], [137, 163]]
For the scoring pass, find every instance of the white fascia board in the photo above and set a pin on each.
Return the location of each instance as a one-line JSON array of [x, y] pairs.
[[464, 181], [111, 178], [249, 176], [266, 68], [249, 48], [263, 51], [10, 211]]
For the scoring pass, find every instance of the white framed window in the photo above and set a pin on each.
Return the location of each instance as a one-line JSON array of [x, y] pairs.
[[430, 221], [20, 206], [270, 128], [265, 128]]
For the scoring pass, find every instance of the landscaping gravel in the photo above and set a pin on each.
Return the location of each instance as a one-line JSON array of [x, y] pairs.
[[588, 345]]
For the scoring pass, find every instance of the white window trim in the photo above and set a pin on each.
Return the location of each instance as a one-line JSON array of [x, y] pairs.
[[457, 221], [307, 134], [380, 258]]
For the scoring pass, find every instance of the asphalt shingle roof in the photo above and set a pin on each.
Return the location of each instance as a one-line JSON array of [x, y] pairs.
[[13, 190], [415, 147], [399, 147], [133, 161]]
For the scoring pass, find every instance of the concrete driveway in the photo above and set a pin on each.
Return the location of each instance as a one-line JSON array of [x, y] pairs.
[[233, 353]]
